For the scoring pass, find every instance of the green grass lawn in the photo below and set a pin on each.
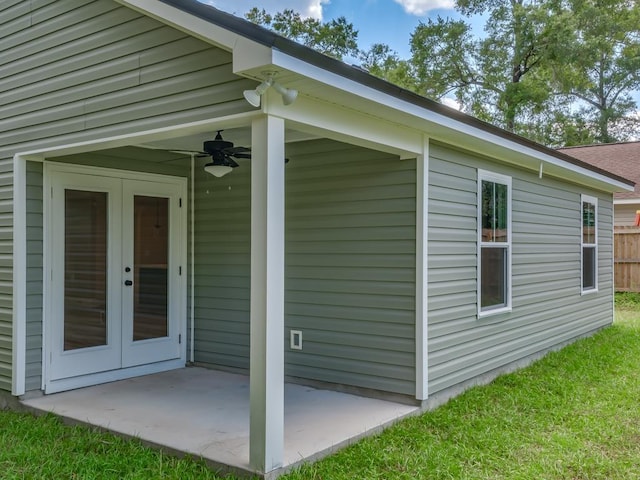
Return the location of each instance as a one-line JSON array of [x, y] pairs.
[[573, 415]]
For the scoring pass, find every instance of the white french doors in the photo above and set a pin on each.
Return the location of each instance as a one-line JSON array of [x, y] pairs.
[[116, 294]]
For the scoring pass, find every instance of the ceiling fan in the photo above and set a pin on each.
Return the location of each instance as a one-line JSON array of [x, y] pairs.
[[222, 155]]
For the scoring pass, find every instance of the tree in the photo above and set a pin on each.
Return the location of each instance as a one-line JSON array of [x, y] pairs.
[[490, 77], [557, 126], [337, 38], [382, 61], [598, 63]]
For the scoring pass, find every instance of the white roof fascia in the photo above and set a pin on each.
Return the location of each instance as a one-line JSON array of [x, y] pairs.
[[282, 60]]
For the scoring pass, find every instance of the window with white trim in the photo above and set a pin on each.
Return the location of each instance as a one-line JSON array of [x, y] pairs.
[[589, 210], [494, 243]]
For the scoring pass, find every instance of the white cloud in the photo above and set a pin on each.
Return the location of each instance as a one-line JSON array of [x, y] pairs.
[[306, 8], [314, 8], [450, 102], [421, 7]]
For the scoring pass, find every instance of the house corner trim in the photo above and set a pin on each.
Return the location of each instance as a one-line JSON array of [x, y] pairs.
[[422, 234], [19, 330]]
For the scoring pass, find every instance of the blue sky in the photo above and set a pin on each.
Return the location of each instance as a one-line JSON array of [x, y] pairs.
[[377, 21]]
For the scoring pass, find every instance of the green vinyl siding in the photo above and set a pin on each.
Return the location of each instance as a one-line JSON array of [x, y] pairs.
[[87, 70], [6, 271], [222, 267], [548, 308], [79, 70], [350, 267]]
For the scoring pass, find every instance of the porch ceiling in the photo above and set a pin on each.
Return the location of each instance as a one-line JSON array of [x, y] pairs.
[[240, 136], [174, 151], [206, 413]]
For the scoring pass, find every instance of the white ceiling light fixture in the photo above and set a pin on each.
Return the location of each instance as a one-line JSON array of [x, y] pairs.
[[217, 170], [253, 96], [289, 95]]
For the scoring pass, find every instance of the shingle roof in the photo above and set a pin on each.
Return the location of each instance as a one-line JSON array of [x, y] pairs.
[[622, 159]]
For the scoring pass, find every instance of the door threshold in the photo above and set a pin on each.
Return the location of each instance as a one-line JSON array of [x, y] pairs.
[[64, 384]]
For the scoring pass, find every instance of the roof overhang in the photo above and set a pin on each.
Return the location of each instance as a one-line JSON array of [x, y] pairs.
[[354, 106]]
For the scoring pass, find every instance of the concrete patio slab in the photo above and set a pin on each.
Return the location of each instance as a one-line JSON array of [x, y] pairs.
[[206, 413]]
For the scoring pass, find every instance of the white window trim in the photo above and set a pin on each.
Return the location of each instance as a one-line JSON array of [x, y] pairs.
[[593, 200], [504, 180]]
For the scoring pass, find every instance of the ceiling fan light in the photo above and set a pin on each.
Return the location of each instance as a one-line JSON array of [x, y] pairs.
[[217, 170]]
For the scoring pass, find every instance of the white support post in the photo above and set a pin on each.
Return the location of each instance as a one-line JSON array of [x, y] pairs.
[[422, 234], [267, 295]]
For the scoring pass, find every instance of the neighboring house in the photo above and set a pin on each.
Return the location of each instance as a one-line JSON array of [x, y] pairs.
[[416, 249], [623, 159]]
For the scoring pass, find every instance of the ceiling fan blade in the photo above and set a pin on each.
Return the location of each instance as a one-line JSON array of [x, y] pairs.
[[234, 150], [240, 155], [190, 152], [232, 163]]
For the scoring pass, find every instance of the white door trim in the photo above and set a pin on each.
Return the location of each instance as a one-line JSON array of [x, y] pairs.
[[179, 250]]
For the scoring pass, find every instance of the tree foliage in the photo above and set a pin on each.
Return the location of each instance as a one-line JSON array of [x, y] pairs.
[[337, 38], [598, 63], [556, 71], [491, 77], [382, 61]]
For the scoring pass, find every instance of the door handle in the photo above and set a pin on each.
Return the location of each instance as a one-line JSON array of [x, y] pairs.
[[128, 283]]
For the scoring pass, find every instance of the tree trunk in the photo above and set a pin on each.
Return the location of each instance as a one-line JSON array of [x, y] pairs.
[[603, 126], [603, 111]]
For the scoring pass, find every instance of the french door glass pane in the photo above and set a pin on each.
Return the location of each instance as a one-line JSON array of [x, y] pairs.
[[85, 269], [151, 253], [494, 277]]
